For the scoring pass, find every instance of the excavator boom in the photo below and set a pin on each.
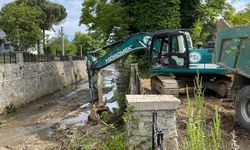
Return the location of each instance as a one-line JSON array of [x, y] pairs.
[[119, 49]]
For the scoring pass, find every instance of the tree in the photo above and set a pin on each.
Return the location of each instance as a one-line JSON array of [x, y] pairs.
[[130, 16], [53, 13], [152, 15], [190, 12], [21, 25], [106, 19], [204, 28], [237, 18], [54, 46], [88, 42]]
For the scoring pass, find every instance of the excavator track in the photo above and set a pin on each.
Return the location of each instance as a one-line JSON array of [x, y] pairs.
[[170, 85], [164, 85]]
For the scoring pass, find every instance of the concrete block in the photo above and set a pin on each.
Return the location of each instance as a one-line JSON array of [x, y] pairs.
[[153, 102], [140, 131]]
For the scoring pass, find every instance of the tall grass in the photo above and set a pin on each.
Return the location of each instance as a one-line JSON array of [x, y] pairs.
[[198, 137]]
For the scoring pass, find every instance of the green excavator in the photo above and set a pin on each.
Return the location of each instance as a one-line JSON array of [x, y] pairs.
[[173, 62]]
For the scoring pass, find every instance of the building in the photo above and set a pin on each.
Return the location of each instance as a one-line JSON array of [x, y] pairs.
[[5, 45]]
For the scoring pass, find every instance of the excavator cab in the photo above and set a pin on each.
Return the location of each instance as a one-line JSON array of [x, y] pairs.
[[170, 49]]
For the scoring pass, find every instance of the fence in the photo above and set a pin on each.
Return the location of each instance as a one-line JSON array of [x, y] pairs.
[[27, 57], [9, 58]]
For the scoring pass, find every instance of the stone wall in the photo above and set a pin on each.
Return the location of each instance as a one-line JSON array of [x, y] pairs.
[[21, 83]]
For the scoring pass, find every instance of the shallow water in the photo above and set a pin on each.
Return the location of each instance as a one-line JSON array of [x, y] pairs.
[[70, 106], [38, 116]]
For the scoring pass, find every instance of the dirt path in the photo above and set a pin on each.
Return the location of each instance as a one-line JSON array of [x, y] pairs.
[[31, 126]]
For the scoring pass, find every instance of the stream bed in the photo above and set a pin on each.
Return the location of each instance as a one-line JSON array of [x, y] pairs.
[[31, 127]]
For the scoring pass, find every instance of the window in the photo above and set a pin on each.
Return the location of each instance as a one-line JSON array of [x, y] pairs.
[[7, 46], [178, 44]]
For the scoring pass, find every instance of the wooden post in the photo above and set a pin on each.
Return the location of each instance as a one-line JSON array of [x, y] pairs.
[[134, 79], [99, 83]]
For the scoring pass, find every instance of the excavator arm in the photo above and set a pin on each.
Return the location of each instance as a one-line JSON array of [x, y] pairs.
[[119, 49]]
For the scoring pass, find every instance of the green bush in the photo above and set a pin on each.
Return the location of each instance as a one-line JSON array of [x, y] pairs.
[[77, 142], [105, 116], [113, 142]]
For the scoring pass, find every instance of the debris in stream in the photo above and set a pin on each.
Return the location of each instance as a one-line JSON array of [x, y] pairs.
[[39, 119], [51, 119]]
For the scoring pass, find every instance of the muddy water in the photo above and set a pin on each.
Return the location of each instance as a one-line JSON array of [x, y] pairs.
[[31, 126]]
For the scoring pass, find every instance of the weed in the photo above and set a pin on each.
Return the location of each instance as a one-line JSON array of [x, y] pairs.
[[10, 108], [120, 98], [77, 142], [195, 136], [216, 131], [114, 142], [105, 116], [198, 138], [234, 144]]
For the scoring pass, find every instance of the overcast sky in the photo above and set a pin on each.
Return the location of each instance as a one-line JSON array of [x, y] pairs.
[[71, 24]]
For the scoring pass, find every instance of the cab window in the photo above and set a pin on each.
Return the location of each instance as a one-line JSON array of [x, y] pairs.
[[178, 44]]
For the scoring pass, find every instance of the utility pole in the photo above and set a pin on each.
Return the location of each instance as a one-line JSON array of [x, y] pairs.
[[62, 37], [81, 50]]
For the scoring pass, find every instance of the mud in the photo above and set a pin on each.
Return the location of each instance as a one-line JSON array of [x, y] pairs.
[[30, 126], [43, 123]]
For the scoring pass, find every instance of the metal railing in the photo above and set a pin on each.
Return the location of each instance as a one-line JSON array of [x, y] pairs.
[[7, 58], [157, 134], [27, 57]]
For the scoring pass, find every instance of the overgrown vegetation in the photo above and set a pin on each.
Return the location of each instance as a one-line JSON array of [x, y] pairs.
[[109, 138], [78, 142], [105, 116], [114, 142], [198, 136]]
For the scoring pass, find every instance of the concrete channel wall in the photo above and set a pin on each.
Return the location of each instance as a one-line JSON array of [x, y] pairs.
[[21, 83]]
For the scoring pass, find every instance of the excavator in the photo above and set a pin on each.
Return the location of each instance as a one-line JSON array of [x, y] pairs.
[[173, 62]]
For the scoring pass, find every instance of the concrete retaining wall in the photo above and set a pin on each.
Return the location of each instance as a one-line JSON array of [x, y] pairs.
[[21, 83]]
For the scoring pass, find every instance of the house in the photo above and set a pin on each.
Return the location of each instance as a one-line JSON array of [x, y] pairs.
[[5, 45]]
